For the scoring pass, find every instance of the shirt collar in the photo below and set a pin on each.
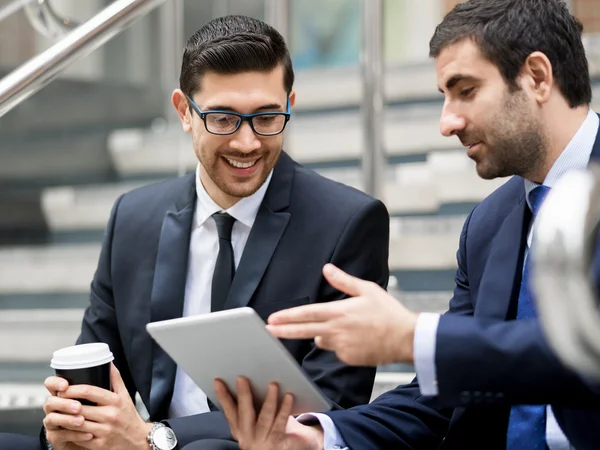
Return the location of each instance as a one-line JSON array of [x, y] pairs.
[[575, 156], [244, 211]]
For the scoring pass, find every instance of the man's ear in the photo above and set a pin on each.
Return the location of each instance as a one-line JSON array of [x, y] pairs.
[[538, 75], [182, 106]]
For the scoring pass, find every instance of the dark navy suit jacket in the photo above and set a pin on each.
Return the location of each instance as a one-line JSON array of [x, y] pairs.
[[304, 222], [485, 360]]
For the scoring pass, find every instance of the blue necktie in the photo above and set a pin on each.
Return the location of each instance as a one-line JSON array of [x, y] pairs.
[[527, 423]]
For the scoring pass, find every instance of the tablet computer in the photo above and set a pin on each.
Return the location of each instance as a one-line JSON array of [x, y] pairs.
[[232, 343]]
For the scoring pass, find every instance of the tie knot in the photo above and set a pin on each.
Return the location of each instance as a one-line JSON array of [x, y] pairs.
[[224, 225], [537, 197]]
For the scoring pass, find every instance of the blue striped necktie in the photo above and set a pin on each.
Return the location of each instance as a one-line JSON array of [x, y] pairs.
[[527, 423]]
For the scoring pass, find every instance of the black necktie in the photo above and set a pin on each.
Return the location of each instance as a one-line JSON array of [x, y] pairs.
[[225, 266]]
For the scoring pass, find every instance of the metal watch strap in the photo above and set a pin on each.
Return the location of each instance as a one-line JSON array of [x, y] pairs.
[[152, 430], [150, 437]]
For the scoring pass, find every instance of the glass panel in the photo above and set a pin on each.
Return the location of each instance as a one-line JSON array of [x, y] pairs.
[[199, 12], [330, 38], [408, 27]]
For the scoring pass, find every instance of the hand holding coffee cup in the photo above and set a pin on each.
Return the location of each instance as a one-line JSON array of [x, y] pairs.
[[85, 364], [91, 404]]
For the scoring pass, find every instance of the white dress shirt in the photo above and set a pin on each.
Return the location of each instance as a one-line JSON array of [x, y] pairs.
[[575, 156], [188, 399]]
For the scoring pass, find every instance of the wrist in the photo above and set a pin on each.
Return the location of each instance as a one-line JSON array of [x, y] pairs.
[[142, 440], [318, 442], [406, 352]]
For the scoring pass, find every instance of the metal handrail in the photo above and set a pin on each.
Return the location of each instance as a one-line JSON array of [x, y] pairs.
[[36, 73], [46, 21]]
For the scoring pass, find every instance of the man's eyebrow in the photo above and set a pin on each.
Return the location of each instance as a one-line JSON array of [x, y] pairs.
[[453, 81], [268, 107]]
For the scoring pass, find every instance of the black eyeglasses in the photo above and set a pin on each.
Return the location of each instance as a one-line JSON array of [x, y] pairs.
[[226, 122]]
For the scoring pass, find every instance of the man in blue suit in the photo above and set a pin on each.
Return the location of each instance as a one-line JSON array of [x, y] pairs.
[[517, 91]]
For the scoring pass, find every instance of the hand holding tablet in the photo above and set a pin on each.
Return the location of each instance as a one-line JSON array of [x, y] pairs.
[[232, 343]]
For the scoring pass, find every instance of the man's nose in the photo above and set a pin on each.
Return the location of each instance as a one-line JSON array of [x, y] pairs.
[[451, 123], [245, 139]]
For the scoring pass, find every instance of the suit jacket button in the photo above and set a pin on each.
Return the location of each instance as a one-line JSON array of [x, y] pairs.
[[465, 397]]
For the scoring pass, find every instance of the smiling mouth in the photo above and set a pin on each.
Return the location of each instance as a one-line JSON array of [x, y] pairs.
[[241, 165]]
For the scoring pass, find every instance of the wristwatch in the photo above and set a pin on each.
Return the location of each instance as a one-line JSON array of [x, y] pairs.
[[161, 437]]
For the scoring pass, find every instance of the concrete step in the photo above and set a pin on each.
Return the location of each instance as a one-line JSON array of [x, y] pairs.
[[411, 188], [337, 137], [35, 334], [425, 243], [48, 269]]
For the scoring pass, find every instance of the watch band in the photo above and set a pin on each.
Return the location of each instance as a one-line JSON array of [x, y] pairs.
[[150, 437]]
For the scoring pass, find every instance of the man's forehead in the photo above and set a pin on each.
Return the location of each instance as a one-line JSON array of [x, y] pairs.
[[246, 88], [463, 58]]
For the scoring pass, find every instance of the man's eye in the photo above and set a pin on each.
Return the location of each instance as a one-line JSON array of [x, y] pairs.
[[466, 92]]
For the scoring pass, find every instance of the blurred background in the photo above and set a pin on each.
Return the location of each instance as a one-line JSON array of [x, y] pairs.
[[105, 125]]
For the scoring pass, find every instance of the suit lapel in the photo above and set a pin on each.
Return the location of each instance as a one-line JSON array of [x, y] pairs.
[[500, 280], [168, 293], [269, 226]]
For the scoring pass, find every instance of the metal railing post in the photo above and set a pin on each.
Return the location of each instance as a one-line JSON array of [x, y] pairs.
[[373, 158]]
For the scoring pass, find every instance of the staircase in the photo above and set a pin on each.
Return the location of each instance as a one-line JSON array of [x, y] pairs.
[[58, 188]]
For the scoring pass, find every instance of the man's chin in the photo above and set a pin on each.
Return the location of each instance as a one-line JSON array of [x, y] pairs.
[[236, 190], [486, 172]]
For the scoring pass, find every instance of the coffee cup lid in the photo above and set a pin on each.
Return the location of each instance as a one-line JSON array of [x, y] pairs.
[[81, 356]]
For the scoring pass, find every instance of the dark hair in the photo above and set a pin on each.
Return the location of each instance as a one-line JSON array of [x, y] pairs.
[[508, 31], [232, 45]]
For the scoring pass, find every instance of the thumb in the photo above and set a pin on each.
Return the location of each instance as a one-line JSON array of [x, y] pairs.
[[343, 282], [116, 382]]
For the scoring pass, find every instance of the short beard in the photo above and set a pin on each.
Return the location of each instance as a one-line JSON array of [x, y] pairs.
[[518, 144]]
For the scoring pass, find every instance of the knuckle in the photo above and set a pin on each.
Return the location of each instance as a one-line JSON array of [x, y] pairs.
[[112, 416]]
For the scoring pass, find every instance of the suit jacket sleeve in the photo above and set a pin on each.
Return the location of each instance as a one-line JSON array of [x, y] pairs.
[[99, 320], [487, 361]]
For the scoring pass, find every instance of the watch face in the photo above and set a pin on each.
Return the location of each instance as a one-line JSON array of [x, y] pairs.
[[164, 439]]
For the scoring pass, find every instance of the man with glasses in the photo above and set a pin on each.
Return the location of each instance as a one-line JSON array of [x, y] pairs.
[[249, 228]]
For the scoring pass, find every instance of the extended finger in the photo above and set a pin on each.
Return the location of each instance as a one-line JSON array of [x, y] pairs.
[[229, 406], [300, 331], [56, 421], [101, 397], [61, 405], [267, 413], [320, 312], [346, 283]]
